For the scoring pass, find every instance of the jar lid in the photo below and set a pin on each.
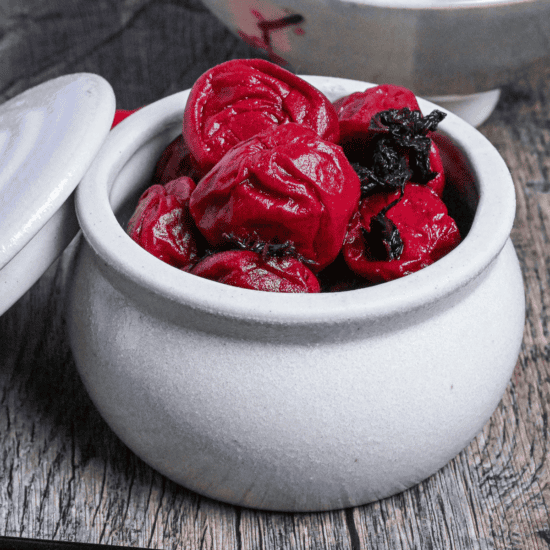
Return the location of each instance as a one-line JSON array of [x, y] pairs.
[[49, 136]]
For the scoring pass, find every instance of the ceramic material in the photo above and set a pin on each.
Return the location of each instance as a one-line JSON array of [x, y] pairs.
[[473, 108], [294, 402], [433, 47], [49, 136]]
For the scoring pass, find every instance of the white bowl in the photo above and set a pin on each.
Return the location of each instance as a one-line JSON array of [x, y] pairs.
[[294, 402], [433, 47], [458, 53]]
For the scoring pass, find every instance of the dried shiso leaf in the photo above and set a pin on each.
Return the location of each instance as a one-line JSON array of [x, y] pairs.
[[388, 170], [399, 154], [383, 239], [410, 130], [266, 249]]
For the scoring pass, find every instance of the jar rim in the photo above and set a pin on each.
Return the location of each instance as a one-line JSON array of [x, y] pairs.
[[487, 236]]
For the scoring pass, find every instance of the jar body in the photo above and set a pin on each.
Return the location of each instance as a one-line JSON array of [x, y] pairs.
[[290, 425], [295, 402]]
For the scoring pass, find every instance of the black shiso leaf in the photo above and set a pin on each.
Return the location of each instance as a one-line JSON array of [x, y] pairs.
[[383, 240], [409, 130], [388, 171], [265, 249]]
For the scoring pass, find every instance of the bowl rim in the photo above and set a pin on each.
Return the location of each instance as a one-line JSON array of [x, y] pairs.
[[433, 5], [488, 234]]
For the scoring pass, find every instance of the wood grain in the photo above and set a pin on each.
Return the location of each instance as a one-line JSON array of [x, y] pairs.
[[65, 475]]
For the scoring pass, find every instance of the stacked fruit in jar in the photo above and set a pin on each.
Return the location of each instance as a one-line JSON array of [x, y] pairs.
[[272, 187]]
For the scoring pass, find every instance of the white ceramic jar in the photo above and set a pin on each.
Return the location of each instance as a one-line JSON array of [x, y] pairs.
[[294, 402]]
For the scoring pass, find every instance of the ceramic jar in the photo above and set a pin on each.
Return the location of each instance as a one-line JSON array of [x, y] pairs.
[[294, 402]]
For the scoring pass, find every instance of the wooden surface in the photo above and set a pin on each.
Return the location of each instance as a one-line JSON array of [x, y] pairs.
[[65, 475]]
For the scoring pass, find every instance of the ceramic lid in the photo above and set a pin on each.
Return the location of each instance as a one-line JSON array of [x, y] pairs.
[[49, 136]]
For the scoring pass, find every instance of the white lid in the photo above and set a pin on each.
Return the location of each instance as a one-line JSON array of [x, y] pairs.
[[49, 136]]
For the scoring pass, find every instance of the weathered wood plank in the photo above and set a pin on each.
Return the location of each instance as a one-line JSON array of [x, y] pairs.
[[513, 473], [295, 531]]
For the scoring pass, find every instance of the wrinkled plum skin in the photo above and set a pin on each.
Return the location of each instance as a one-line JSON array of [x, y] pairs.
[[286, 184], [427, 232], [247, 269], [259, 191], [240, 98], [161, 223]]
